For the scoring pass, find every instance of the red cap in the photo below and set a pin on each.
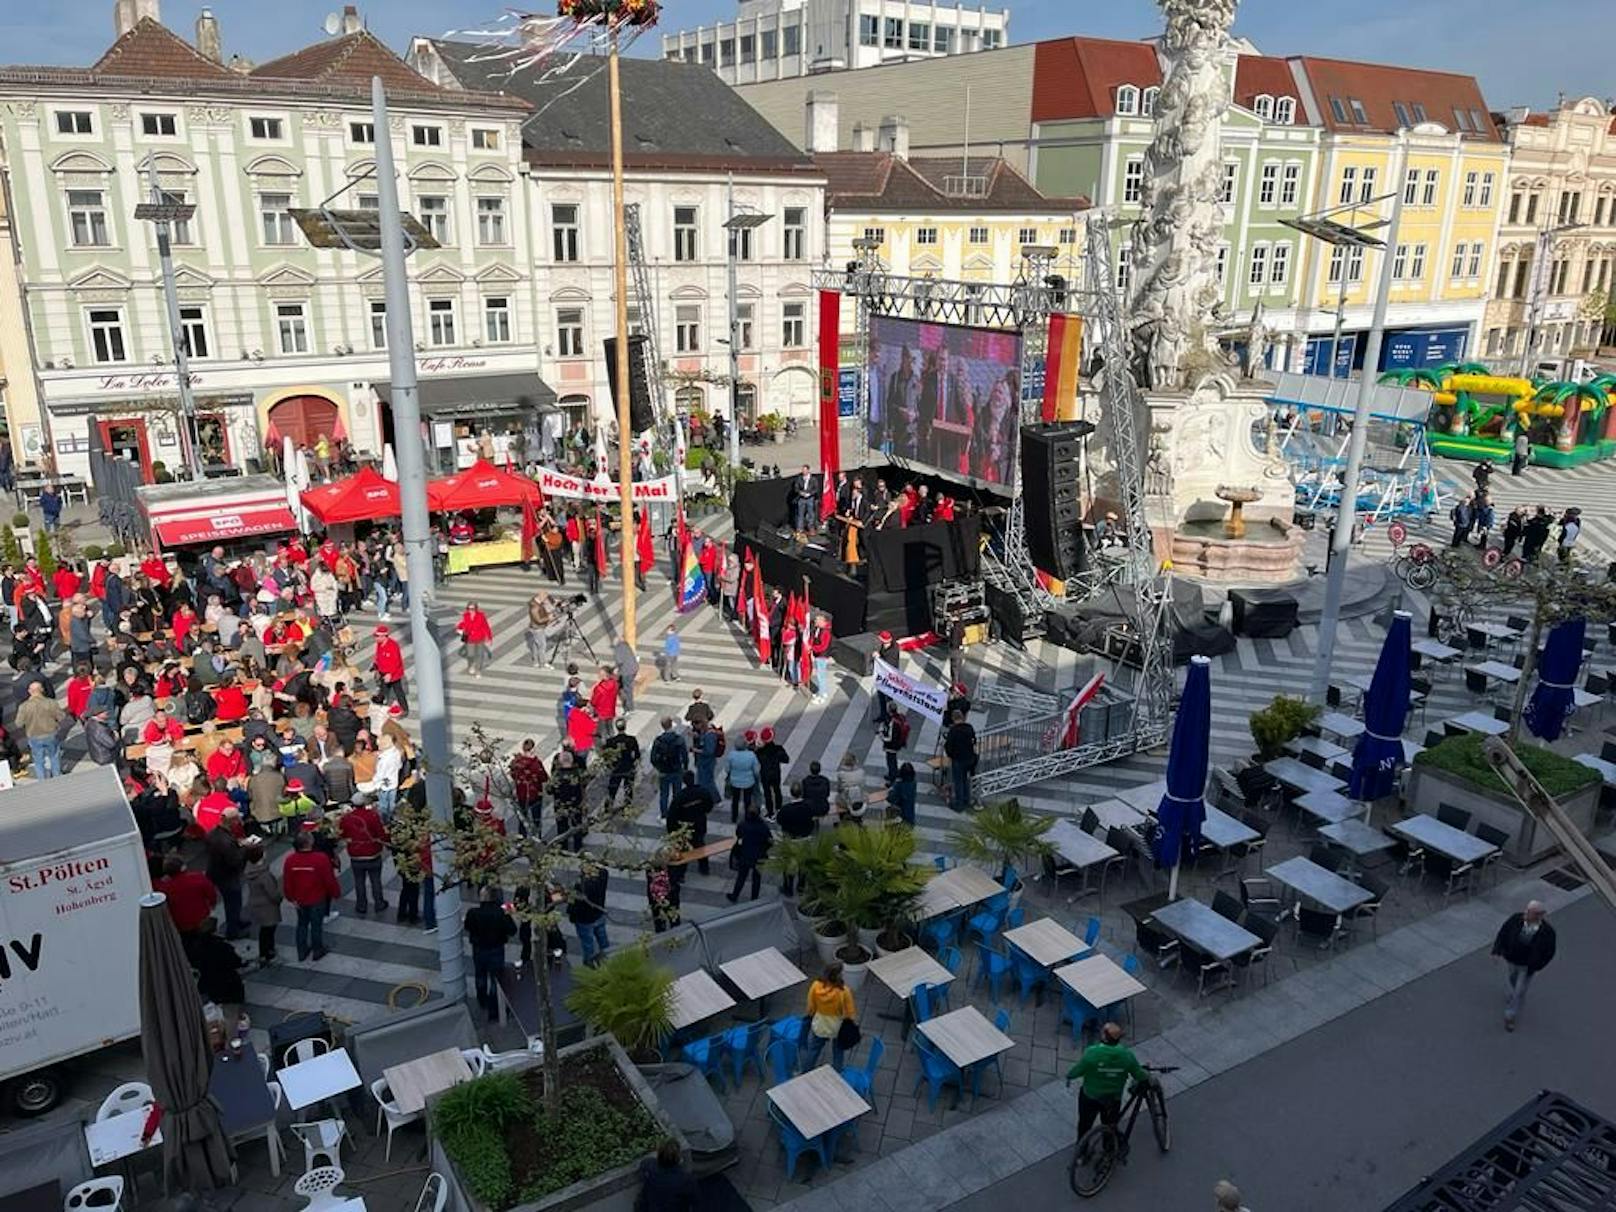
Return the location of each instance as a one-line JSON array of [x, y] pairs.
[[395, 709], [309, 826], [382, 629], [294, 784], [885, 637], [768, 735], [750, 735]]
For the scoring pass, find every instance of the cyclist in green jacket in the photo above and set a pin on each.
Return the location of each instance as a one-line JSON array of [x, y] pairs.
[[1105, 1068]]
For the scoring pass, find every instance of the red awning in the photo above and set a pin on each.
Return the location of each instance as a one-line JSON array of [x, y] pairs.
[[358, 498], [481, 486], [223, 524]]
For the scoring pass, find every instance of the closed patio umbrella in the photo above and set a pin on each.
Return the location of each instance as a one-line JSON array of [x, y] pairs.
[[1552, 700], [1182, 807], [1379, 751], [174, 1045]]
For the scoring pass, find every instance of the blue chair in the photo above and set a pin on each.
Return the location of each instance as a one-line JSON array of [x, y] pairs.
[[920, 1003], [1130, 964], [743, 1046], [782, 1060], [1001, 1020], [1091, 933], [984, 925], [950, 958], [1076, 1011], [1030, 974], [991, 966], [1014, 918], [863, 1080], [940, 932], [707, 1055], [1010, 878], [792, 1029], [936, 1071], [942, 862], [796, 1144]]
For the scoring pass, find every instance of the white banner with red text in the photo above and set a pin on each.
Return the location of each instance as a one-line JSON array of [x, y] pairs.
[[560, 484], [911, 694]]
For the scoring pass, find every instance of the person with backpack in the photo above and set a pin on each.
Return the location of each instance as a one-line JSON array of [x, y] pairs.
[[894, 736], [707, 743], [670, 756]]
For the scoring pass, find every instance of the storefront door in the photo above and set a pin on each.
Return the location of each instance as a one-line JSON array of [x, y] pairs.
[[303, 419], [127, 439]]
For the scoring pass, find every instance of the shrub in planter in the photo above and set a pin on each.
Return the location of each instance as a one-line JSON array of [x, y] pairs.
[[1003, 836], [116, 551], [1281, 721], [630, 996], [879, 863], [43, 552], [472, 1119], [10, 548], [93, 552]]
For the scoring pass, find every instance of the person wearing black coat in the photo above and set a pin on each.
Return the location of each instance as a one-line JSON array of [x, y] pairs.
[[217, 964], [665, 1185], [1526, 943], [753, 837], [689, 809]]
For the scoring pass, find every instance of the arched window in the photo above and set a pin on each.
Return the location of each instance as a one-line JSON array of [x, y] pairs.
[[689, 399], [1147, 103], [1264, 105], [1285, 111], [1127, 99]]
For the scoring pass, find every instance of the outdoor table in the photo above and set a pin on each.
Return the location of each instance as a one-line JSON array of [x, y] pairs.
[[1477, 721], [762, 973], [1495, 669], [238, 1088], [1224, 831], [1495, 631], [1146, 797], [118, 1136], [1300, 777], [1327, 750], [319, 1078], [1098, 981], [1119, 814], [696, 995], [1045, 942], [1357, 838], [412, 1082], [1319, 884], [1327, 806], [902, 970], [1210, 933], [1079, 849], [1357, 681], [1607, 770], [818, 1101], [1338, 724], [1433, 834], [965, 1036], [957, 888], [1436, 650], [1581, 698]]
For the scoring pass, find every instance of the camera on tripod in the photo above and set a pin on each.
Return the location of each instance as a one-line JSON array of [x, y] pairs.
[[567, 605]]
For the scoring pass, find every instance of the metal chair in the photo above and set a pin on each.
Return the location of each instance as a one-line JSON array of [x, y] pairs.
[[1369, 911], [782, 1056], [863, 1080], [434, 1195], [1493, 837], [304, 1050], [98, 1193], [321, 1138], [387, 1109], [1156, 943], [1226, 905], [1326, 856], [476, 1060], [707, 1056], [1257, 893], [796, 1144], [1090, 822], [127, 1098], [272, 1132], [1204, 966], [1267, 929], [1318, 923], [1449, 815], [743, 1045], [319, 1188], [1456, 873]]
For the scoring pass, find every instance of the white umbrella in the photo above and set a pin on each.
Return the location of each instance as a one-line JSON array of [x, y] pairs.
[[389, 463], [289, 471]]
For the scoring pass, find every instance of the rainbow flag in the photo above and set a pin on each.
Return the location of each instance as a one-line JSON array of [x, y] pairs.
[[692, 584]]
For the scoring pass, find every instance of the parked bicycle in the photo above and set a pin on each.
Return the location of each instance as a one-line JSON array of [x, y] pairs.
[[1105, 1146]]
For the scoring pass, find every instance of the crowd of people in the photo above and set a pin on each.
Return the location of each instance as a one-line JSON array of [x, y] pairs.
[[1526, 526]]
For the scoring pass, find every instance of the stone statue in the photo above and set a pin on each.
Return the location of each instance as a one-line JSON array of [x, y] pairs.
[[1256, 344], [1174, 241]]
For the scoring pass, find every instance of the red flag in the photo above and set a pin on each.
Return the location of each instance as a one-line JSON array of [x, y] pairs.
[[647, 547], [760, 616], [602, 564], [805, 661], [830, 341], [1069, 730], [530, 530]]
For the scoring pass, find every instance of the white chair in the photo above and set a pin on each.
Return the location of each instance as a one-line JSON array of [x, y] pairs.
[[319, 1188], [263, 1064], [131, 1096], [321, 1139], [477, 1058], [434, 1195], [98, 1193], [305, 1050], [272, 1132], [387, 1109]]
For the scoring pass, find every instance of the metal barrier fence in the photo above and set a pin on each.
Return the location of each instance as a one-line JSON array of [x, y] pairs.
[[1029, 750]]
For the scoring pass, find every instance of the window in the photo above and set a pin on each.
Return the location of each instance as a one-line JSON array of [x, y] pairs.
[[1279, 273], [266, 128], [1461, 119], [977, 235], [707, 54], [687, 329], [794, 228], [1349, 184], [435, 216], [1401, 111], [426, 136], [1504, 271], [745, 326], [370, 202], [75, 122], [1355, 264], [485, 138], [1338, 258], [276, 222], [87, 218], [1599, 210], [179, 231], [748, 48], [361, 132], [740, 243], [1470, 182], [1479, 122], [1127, 99], [1285, 111], [942, 39], [1473, 270], [1587, 275], [106, 335], [1367, 190], [194, 331], [1416, 264], [1290, 187], [497, 320], [794, 325], [1419, 112], [1231, 174], [570, 332], [1068, 235], [1569, 205], [1223, 265], [292, 327], [1338, 110], [869, 29], [992, 39], [726, 52], [1268, 185], [878, 234], [1259, 265], [771, 45], [1514, 207], [1147, 101], [1492, 342], [158, 125], [1523, 276], [892, 33], [1133, 179], [1531, 209], [1400, 263], [791, 40], [919, 35], [378, 324], [490, 221], [1485, 197], [1264, 107], [1428, 195], [564, 231], [440, 322], [685, 246], [1358, 114], [1458, 261], [1124, 255], [925, 235], [1027, 235]]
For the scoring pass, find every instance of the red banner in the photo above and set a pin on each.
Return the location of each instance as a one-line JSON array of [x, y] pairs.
[[830, 440]]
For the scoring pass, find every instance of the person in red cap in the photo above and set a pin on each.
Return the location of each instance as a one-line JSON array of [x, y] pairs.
[[891, 654], [389, 665], [309, 881], [476, 638], [772, 758]]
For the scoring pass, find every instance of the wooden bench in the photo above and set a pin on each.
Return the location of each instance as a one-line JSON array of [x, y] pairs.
[[710, 850]]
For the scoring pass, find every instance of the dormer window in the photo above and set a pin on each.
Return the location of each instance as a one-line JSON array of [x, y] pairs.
[[1264, 106], [1127, 99], [1147, 102], [1285, 111]]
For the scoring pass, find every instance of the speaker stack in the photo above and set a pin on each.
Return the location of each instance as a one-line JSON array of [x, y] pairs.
[[640, 412], [1052, 501]]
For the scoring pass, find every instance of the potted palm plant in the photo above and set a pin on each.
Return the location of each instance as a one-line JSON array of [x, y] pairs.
[[809, 859], [1005, 837], [881, 862], [630, 996], [852, 902]]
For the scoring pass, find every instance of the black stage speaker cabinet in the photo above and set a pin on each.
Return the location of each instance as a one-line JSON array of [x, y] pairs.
[[1263, 613], [856, 653], [1007, 614], [1051, 459], [641, 416]]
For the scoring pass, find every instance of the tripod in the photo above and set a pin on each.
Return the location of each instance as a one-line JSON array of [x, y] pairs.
[[570, 632]]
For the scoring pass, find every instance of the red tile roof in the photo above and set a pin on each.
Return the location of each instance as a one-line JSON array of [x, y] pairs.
[[351, 59], [883, 181], [1376, 86], [1254, 74], [1078, 77], [151, 50]]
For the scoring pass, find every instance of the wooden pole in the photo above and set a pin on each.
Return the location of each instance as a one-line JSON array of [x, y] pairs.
[[625, 432]]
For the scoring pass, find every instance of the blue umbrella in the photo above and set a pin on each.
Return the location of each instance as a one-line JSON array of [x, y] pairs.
[[1182, 809], [1379, 752], [1551, 704]]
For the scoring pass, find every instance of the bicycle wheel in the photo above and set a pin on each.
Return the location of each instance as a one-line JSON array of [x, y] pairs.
[[1400, 567], [1421, 576], [1156, 1103], [1093, 1160]]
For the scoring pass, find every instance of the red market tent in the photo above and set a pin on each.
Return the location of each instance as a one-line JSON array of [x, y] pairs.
[[481, 486], [359, 498]]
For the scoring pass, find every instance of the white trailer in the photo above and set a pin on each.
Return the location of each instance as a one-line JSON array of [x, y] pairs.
[[72, 872]]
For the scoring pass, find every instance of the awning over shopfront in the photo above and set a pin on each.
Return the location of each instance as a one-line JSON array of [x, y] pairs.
[[471, 396], [362, 497], [220, 526]]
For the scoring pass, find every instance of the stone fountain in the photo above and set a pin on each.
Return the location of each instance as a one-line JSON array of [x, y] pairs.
[[1238, 498]]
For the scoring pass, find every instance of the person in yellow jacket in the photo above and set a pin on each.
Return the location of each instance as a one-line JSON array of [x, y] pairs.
[[830, 1004]]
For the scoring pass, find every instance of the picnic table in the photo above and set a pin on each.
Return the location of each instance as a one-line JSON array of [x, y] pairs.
[[762, 972], [1046, 942], [1477, 721], [1194, 923], [696, 995], [1357, 838], [965, 1036], [1456, 844], [1081, 850], [1327, 806], [901, 971], [818, 1101], [412, 1082], [1319, 884], [1098, 981], [1299, 777]]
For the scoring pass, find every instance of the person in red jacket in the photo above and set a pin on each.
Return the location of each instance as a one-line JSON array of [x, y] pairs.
[[476, 638], [365, 833], [67, 580], [191, 895], [162, 729], [389, 665], [98, 580], [227, 762], [528, 777], [581, 725], [155, 569], [308, 880], [603, 694], [184, 620], [79, 688], [230, 703]]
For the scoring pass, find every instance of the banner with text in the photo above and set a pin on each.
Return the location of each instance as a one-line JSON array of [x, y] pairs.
[[911, 693], [560, 484]]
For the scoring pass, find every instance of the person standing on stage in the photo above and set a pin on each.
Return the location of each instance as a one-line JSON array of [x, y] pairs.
[[804, 502]]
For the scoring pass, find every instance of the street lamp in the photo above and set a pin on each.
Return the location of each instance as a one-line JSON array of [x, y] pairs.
[[1321, 226], [738, 222], [163, 211], [1539, 287]]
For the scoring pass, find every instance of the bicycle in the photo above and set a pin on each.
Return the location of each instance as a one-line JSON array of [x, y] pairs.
[[1105, 1146]]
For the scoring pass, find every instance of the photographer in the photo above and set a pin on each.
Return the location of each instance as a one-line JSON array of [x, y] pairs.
[[558, 632], [540, 613]]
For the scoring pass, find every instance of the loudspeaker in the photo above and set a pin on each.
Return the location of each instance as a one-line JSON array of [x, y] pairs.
[[855, 653], [641, 415], [1051, 462], [1007, 614]]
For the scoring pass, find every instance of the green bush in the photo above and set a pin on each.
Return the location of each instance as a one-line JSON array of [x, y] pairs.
[[10, 549], [629, 995], [471, 1119], [589, 1137], [19, 521], [1003, 834], [115, 551], [1462, 757], [1280, 721], [93, 552], [43, 552]]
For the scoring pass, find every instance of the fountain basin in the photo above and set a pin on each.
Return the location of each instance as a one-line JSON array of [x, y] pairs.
[[1268, 553]]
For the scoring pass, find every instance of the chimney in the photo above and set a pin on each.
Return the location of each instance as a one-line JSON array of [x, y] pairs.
[[863, 138], [894, 136], [208, 43], [352, 22], [822, 132], [126, 14]]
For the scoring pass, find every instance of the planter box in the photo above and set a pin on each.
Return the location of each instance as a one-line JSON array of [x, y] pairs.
[[613, 1191], [1529, 840]]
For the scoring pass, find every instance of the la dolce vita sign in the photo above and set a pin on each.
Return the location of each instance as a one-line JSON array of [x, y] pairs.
[[144, 382]]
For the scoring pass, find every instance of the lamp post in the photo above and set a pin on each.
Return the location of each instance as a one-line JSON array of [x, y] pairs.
[[163, 212], [1324, 226], [738, 222], [625, 430]]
